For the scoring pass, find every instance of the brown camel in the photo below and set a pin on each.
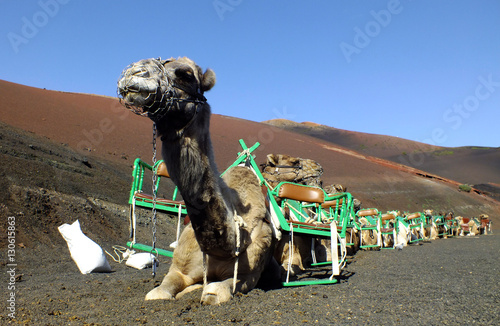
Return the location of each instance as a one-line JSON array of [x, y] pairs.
[[228, 215], [280, 167]]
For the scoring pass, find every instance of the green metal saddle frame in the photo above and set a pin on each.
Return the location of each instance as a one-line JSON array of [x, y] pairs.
[[140, 197], [297, 205], [331, 221]]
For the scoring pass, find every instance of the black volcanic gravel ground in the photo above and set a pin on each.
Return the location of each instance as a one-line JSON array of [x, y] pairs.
[[446, 282]]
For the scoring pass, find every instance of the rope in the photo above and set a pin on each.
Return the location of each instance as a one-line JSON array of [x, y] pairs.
[[204, 270], [239, 223], [343, 250], [179, 215], [237, 253], [245, 152], [306, 218], [125, 253], [267, 183], [290, 253]]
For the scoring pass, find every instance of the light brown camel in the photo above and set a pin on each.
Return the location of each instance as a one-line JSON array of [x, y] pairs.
[[431, 232], [228, 215]]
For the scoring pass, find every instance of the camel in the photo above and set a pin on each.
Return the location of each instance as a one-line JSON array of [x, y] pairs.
[[455, 224], [430, 233], [402, 232], [468, 226], [402, 236], [281, 167], [229, 234], [444, 228], [485, 226], [334, 189], [474, 226]]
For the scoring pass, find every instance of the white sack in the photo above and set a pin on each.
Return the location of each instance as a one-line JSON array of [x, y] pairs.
[[87, 254], [140, 260]]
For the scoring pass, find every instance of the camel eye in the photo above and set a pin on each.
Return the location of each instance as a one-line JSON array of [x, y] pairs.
[[184, 73]]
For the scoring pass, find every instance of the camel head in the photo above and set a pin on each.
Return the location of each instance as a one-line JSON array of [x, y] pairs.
[[171, 89]]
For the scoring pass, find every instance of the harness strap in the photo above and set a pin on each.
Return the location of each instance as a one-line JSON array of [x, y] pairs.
[[181, 132]]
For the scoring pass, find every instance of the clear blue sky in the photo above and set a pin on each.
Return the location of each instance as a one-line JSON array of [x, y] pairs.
[[422, 70]]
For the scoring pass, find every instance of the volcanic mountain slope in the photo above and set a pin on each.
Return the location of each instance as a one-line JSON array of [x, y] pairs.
[[478, 166], [59, 144]]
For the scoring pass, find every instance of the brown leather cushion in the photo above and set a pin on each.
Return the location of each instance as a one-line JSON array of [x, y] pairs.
[[412, 216], [367, 212], [332, 203], [485, 222], [162, 171], [386, 217], [301, 193]]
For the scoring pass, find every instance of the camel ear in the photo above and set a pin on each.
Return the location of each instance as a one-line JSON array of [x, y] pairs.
[[272, 159], [208, 80]]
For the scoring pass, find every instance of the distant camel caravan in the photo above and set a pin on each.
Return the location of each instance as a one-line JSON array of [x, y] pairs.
[[255, 226]]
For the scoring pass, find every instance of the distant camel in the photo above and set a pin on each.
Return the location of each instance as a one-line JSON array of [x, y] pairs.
[[229, 225], [485, 226], [282, 167], [431, 232]]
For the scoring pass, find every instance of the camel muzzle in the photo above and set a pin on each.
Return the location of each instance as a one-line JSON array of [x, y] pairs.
[[145, 88]]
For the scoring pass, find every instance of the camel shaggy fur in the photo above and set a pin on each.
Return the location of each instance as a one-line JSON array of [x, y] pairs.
[[228, 215], [280, 167]]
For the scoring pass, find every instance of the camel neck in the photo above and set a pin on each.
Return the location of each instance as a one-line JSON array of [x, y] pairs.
[[192, 168]]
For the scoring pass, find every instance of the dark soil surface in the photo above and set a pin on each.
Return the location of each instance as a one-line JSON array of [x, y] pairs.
[[446, 282]]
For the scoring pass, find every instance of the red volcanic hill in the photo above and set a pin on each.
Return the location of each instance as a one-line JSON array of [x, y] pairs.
[[472, 165], [96, 129]]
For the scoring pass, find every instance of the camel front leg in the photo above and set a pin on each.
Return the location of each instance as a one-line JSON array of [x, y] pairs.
[[217, 292], [173, 283], [186, 268], [220, 292], [251, 266]]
